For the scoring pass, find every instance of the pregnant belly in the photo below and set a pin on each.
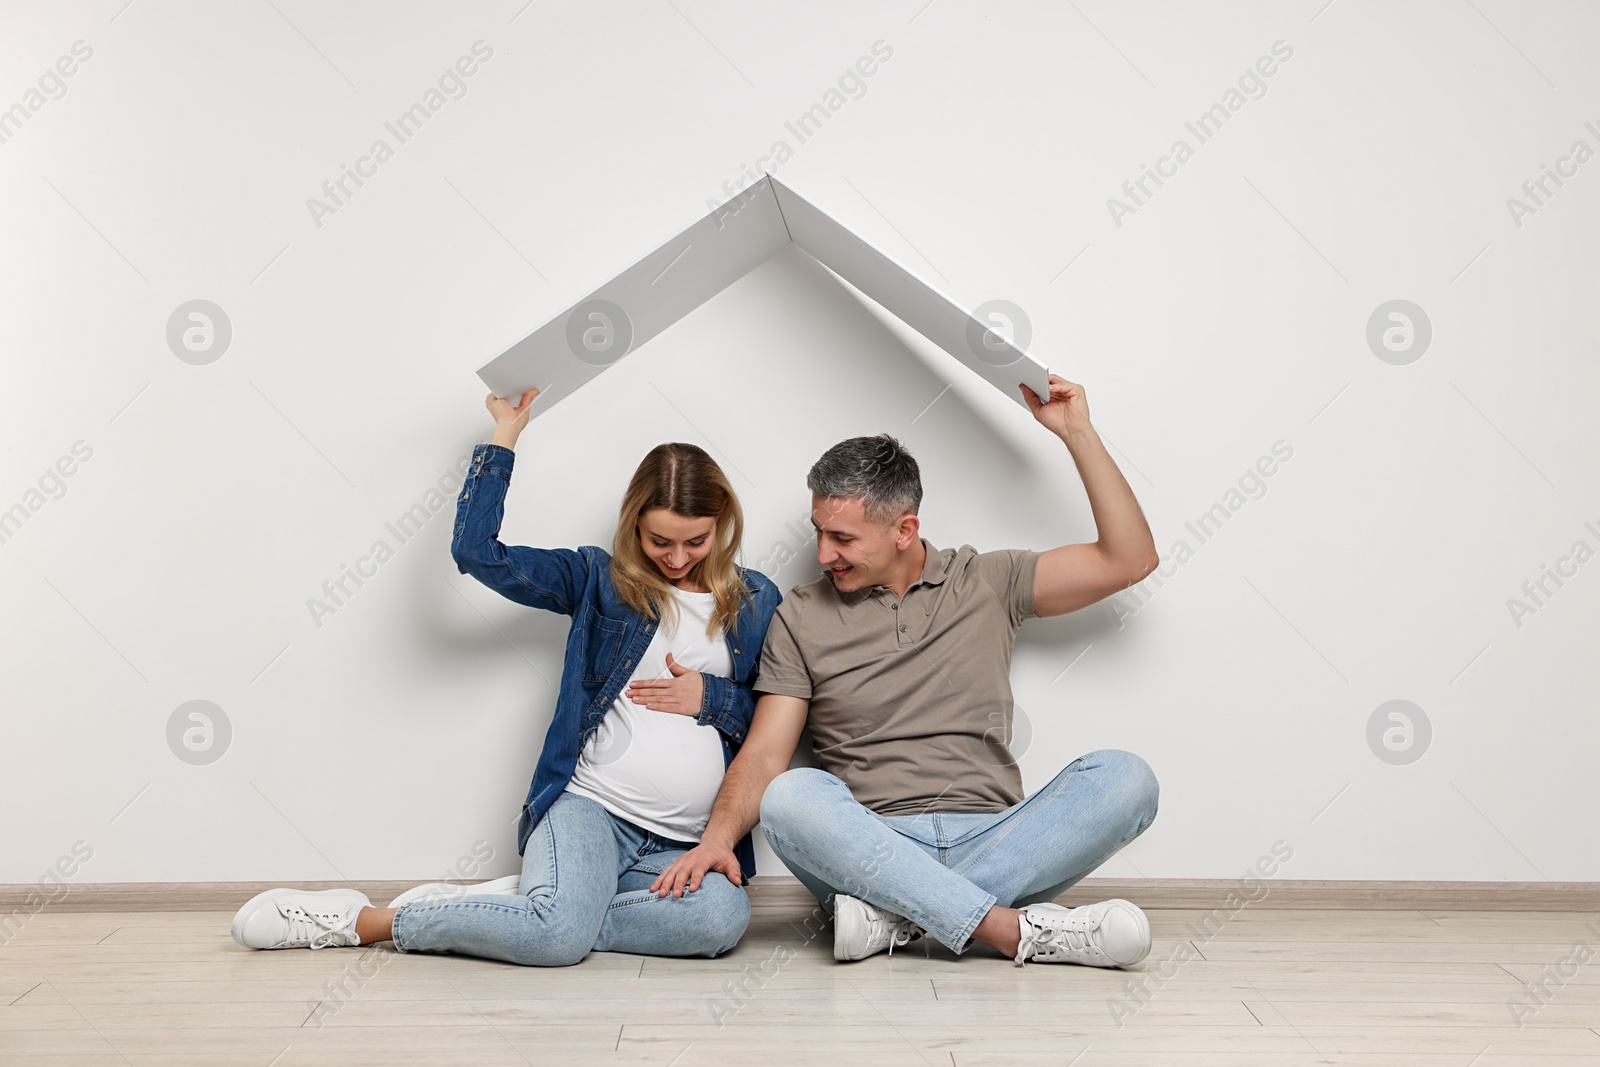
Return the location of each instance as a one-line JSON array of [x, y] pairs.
[[656, 766]]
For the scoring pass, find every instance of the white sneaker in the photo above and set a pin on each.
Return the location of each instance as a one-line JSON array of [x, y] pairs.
[[507, 886], [1112, 933], [298, 918], [861, 929]]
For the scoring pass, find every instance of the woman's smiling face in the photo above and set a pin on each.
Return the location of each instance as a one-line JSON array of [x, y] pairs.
[[675, 542]]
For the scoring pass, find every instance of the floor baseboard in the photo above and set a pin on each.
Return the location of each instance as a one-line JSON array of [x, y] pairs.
[[782, 892]]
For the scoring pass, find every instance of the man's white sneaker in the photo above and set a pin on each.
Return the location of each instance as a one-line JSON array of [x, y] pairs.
[[1112, 933], [861, 929], [298, 918], [507, 886]]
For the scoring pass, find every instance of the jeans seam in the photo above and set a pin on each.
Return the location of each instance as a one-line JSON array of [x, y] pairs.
[[1022, 812], [511, 908], [394, 929], [614, 905], [398, 934], [555, 878], [973, 861]]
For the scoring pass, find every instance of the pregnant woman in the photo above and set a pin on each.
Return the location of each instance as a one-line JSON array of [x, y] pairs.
[[655, 700]]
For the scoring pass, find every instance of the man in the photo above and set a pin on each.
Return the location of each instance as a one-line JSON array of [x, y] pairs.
[[899, 660]]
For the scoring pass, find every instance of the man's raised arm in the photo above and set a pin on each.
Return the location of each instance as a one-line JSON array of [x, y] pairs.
[[774, 735], [1075, 576]]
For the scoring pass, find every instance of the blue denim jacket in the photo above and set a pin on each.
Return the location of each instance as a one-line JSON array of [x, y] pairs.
[[606, 639]]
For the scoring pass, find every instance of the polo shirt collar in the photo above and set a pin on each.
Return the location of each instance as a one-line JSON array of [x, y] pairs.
[[933, 573]]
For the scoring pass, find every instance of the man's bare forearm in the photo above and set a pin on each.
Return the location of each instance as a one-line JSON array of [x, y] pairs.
[[738, 804], [1124, 533], [774, 732]]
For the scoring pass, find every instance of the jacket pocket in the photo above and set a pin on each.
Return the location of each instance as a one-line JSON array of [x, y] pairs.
[[602, 641]]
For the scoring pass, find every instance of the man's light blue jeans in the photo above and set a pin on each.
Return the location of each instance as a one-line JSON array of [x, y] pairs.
[[586, 878], [945, 871]]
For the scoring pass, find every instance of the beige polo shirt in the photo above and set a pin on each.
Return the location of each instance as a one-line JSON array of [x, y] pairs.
[[910, 696]]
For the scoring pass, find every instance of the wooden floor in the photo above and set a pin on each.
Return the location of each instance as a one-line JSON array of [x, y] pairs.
[[1264, 987]]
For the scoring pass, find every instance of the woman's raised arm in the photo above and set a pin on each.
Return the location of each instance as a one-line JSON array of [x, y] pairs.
[[548, 578]]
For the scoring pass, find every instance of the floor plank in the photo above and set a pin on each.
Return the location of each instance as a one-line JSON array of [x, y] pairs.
[[1256, 988]]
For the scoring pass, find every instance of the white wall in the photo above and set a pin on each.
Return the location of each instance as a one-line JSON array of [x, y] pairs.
[[1226, 313]]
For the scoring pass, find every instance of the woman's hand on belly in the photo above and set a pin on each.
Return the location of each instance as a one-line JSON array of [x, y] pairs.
[[682, 694]]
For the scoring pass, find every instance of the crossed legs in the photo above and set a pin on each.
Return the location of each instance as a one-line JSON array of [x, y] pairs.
[[958, 875]]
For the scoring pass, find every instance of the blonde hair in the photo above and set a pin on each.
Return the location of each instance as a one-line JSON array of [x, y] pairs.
[[686, 481]]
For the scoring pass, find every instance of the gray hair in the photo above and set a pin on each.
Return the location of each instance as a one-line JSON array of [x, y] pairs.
[[876, 470]]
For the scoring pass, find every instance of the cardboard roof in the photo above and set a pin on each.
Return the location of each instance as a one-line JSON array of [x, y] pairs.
[[729, 242]]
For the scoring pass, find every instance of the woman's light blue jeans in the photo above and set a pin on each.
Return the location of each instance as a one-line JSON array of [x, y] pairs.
[[945, 871], [586, 878]]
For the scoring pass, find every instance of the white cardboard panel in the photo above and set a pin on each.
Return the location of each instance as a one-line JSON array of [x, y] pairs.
[[712, 254], [909, 298], [652, 294]]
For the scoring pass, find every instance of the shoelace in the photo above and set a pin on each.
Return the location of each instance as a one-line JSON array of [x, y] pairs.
[[318, 931], [1075, 942], [905, 931]]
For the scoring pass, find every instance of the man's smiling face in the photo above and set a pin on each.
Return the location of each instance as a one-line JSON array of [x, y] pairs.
[[856, 553]]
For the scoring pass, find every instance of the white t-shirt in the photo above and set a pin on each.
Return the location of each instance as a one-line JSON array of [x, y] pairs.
[[657, 769]]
